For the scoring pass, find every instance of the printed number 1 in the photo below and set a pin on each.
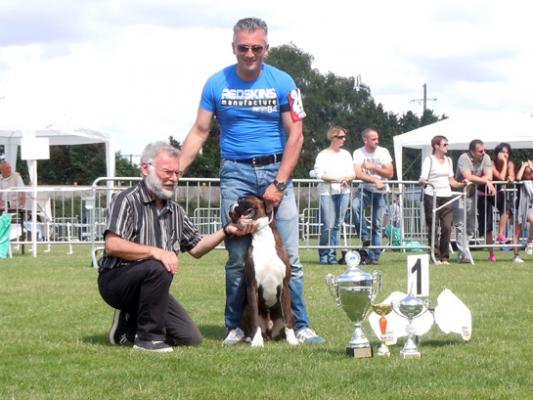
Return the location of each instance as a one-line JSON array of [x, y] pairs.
[[418, 269]]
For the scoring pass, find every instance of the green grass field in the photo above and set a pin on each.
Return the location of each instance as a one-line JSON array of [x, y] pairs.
[[53, 343]]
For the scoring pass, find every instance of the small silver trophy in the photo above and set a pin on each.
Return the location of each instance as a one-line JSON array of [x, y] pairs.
[[355, 290], [410, 307]]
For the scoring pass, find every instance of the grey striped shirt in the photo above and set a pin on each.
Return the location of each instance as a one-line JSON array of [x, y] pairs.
[[134, 216]]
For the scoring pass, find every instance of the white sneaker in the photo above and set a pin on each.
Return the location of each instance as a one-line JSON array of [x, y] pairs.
[[518, 260], [234, 336], [307, 335], [529, 249]]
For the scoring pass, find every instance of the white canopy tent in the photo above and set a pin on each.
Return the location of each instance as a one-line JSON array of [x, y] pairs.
[[58, 136], [492, 129]]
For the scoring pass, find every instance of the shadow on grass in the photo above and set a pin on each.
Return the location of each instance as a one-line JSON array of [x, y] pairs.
[[215, 332], [96, 339], [442, 343]]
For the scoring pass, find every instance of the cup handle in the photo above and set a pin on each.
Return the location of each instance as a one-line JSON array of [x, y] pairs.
[[331, 282], [376, 283], [396, 308]]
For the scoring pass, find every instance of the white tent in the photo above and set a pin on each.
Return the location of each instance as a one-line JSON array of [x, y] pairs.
[[58, 136], [492, 129]]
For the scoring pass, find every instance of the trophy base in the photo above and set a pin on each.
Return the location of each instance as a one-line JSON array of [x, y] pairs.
[[360, 352], [383, 351], [409, 354]]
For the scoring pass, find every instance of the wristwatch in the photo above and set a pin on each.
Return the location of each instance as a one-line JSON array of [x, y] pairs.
[[281, 186]]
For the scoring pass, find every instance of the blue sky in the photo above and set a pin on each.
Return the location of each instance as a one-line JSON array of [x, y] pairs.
[[135, 69]]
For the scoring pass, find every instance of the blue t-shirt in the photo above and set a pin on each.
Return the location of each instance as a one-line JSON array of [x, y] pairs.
[[249, 112]]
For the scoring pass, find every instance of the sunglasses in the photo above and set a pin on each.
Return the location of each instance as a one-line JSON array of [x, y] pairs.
[[244, 48], [444, 144], [340, 137]]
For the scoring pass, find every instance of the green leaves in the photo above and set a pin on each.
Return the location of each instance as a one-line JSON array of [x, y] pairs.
[[331, 100]]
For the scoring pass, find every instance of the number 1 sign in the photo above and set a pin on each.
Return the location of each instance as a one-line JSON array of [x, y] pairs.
[[418, 275]]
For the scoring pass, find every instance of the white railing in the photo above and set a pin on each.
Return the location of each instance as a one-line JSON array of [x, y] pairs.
[[77, 215]]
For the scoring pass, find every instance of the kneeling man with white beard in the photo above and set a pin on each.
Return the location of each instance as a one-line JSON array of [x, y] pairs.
[[144, 232]]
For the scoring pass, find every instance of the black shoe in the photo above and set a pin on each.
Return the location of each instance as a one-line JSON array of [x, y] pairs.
[[342, 260], [369, 262], [117, 332], [156, 346], [366, 243]]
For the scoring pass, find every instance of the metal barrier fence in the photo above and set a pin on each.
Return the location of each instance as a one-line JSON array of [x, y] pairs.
[[77, 215], [61, 215]]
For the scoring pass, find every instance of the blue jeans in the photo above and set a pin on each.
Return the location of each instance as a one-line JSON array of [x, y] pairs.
[[236, 180], [332, 211], [378, 201]]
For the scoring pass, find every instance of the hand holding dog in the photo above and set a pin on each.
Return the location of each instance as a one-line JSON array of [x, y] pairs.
[[241, 229], [273, 195]]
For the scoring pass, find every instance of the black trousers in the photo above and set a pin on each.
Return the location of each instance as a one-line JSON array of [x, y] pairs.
[[142, 290], [444, 222]]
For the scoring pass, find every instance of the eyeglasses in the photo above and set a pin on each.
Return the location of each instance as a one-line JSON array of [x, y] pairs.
[[169, 172], [244, 48]]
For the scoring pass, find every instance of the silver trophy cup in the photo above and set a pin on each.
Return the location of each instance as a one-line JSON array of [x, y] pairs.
[[410, 307], [354, 290]]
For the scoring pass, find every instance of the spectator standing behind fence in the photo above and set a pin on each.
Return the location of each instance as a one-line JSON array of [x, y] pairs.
[[144, 233], [335, 167], [475, 167], [486, 201], [11, 179], [524, 208], [259, 110], [373, 165], [437, 170], [503, 169]]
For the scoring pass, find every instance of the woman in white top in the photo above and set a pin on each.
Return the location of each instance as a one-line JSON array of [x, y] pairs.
[[437, 170], [335, 167]]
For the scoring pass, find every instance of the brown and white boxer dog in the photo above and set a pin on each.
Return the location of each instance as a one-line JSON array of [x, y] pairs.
[[267, 313]]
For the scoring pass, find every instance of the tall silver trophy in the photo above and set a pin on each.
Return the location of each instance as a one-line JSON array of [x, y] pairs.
[[354, 290], [410, 307]]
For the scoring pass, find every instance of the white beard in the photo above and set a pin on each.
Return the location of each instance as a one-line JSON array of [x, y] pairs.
[[155, 185]]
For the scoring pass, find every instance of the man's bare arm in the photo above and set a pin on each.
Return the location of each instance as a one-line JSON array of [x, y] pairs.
[[118, 247], [291, 154], [209, 242], [195, 138]]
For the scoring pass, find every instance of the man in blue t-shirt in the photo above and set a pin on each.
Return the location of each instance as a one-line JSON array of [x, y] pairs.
[[259, 110]]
